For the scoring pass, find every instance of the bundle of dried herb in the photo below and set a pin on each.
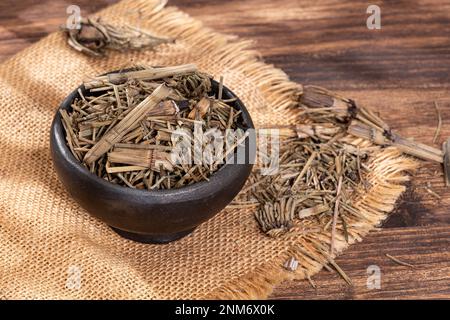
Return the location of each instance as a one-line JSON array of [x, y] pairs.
[[320, 170], [319, 173], [363, 123], [94, 37], [125, 126]]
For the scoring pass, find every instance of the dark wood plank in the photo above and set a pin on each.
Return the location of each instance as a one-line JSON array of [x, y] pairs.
[[426, 248], [399, 71]]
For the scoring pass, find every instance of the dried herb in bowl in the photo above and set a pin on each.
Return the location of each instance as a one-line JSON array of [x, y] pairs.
[[152, 128]]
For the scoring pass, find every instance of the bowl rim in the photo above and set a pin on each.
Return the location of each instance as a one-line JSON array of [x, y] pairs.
[[60, 146]]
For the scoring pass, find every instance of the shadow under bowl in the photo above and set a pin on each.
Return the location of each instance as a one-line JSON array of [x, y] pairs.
[[150, 216]]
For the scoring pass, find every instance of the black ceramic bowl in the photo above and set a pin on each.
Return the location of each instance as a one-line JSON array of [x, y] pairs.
[[158, 216]]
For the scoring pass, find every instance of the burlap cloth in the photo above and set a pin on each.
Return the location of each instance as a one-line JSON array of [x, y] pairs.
[[45, 235]]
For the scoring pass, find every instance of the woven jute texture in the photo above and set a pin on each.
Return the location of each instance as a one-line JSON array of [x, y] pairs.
[[46, 239]]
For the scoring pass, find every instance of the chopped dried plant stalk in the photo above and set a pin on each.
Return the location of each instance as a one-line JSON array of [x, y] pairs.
[[146, 74], [152, 159], [320, 208], [340, 272], [311, 281], [410, 147], [94, 37], [430, 191], [362, 122], [439, 125], [398, 261], [137, 114], [446, 150], [336, 213], [201, 109]]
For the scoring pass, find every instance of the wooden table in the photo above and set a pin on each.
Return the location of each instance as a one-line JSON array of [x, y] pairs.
[[400, 71]]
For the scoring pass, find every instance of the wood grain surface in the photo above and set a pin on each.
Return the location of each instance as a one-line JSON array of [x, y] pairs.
[[399, 71]]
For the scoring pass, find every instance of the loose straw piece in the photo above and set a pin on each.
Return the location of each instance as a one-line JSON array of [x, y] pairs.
[[146, 74], [320, 208], [305, 168], [219, 96], [337, 268], [319, 99], [336, 213], [446, 149], [341, 272], [151, 103], [438, 129], [398, 261], [430, 191], [416, 149], [311, 281], [369, 126], [124, 169], [145, 158], [201, 108]]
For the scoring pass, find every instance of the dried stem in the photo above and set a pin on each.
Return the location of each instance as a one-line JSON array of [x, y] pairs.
[[151, 103], [146, 74], [335, 216], [416, 149], [446, 148], [438, 128], [396, 260]]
